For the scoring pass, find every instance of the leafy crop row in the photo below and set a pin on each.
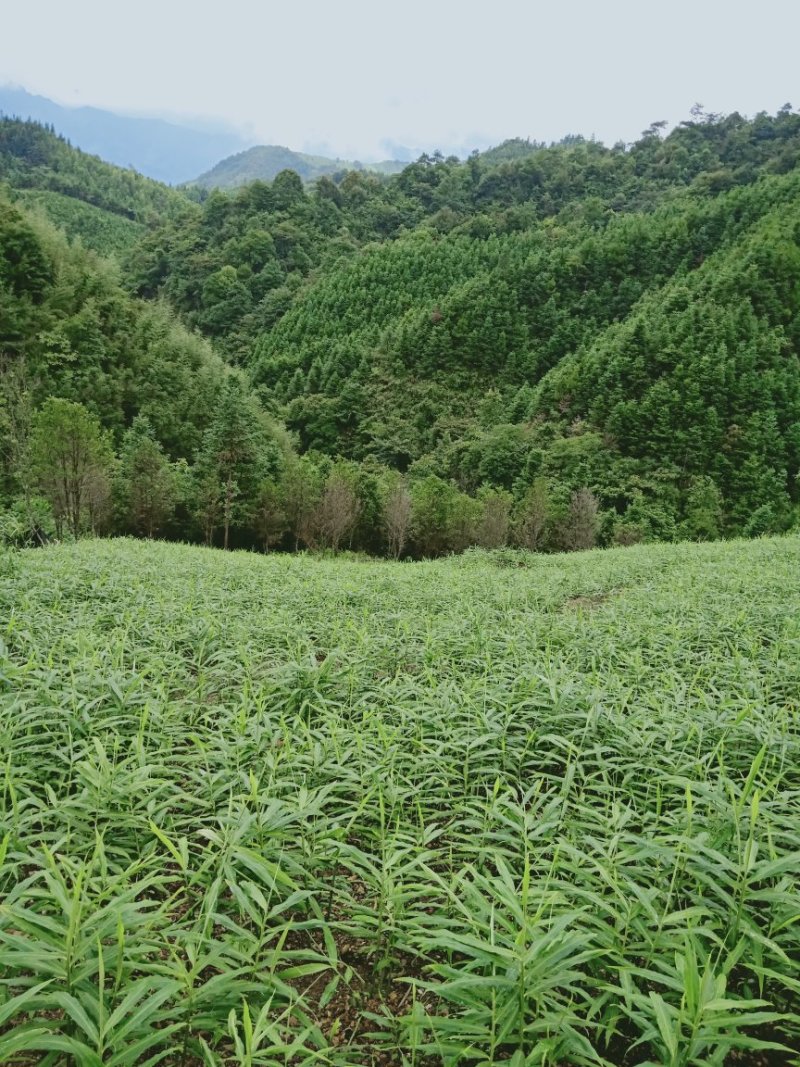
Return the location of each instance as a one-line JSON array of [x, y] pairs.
[[500, 808]]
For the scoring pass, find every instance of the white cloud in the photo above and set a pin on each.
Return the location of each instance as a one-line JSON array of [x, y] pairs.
[[358, 75]]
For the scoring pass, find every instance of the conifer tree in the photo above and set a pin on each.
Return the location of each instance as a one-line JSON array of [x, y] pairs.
[[236, 455], [146, 484]]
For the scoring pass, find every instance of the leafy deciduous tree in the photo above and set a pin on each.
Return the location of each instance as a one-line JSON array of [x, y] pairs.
[[73, 459]]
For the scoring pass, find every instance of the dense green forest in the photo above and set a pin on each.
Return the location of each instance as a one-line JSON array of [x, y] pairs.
[[552, 346], [106, 206]]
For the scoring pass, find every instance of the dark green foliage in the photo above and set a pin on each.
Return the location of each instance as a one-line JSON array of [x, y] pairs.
[[33, 157], [65, 317], [69, 331], [72, 460], [147, 485], [645, 335], [238, 454], [554, 346], [25, 270]]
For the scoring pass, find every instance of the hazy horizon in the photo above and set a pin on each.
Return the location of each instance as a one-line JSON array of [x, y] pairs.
[[357, 81]]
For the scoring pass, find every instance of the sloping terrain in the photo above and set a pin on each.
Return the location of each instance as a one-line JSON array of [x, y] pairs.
[[166, 151], [669, 342], [108, 207], [265, 162], [552, 346]]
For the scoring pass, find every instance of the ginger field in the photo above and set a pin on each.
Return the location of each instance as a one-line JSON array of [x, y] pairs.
[[496, 809]]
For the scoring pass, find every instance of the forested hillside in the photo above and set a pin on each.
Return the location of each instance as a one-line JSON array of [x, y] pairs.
[[106, 206], [666, 343], [265, 162], [93, 379], [551, 346]]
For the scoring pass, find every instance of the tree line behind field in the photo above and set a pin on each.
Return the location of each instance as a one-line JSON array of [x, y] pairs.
[[243, 491], [246, 488], [550, 347]]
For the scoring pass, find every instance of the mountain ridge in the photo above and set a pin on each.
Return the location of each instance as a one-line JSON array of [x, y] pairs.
[[166, 151], [265, 162]]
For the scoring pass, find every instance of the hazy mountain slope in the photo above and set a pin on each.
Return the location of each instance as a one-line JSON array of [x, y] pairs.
[[264, 162], [107, 206], [162, 150]]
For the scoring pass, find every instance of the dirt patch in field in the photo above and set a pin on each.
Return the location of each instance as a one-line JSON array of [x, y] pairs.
[[590, 601]]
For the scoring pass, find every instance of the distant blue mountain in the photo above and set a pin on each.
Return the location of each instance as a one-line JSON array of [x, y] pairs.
[[164, 150]]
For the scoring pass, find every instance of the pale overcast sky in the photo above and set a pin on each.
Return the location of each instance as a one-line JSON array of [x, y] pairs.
[[355, 77]]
